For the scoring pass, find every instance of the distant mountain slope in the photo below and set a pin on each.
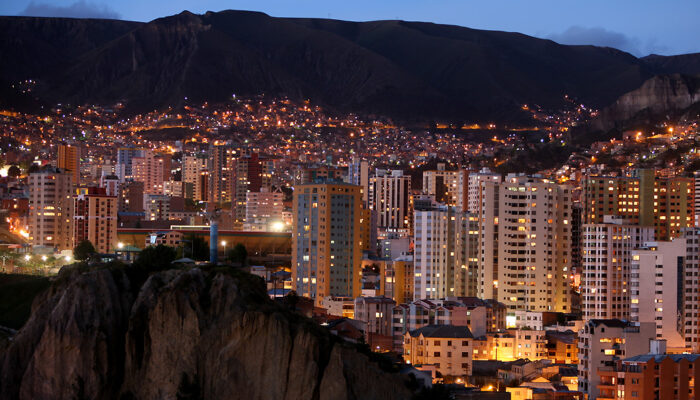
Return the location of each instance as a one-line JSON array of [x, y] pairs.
[[408, 70], [681, 64]]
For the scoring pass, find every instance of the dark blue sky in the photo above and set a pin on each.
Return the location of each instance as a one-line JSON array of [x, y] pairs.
[[640, 27]]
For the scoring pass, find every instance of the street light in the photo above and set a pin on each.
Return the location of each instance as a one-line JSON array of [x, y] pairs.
[[223, 243], [120, 245]]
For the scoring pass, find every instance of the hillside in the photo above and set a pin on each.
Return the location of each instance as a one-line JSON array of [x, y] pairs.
[[407, 70]]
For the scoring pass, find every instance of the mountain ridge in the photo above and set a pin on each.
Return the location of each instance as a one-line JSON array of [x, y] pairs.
[[402, 69]]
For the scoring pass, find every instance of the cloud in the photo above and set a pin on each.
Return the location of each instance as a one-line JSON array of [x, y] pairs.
[[578, 35], [79, 9]]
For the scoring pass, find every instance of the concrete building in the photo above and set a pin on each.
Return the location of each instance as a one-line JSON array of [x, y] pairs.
[[264, 211], [474, 187], [511, 345], [110, 183], [151, 169], [358, 174], [448, 187], [69, 160], [525, 243], [607, 252], [657, 283], [603, 342], [222, 183], [125, 157], [690, 318], [642, 198], [395, 278], [444, 256], [327, 245], [651, 377], [394, 246], [696, 200], [392, 201], [251, 173], [156, 207], [95, 219], [448, 348], [192, 168], [131, 196], [51, 208], [376, 312]]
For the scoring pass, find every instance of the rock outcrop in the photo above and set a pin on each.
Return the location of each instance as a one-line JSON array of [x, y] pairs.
[[658, 96], [188, 334]]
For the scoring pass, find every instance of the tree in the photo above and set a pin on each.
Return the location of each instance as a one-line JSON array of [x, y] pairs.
[[238, 254], [194, 247], [291, 300], [156, 258], [83, 250], [14, 171]]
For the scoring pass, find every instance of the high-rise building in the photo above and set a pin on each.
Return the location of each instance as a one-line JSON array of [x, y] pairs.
[[358, 174], [131, 196], [69, 160], [156, 207], [95, 219], [319, 173], [448, 187], [690, 319], [445, 252], [251, 173], [151, 169], [326, 245], [696, 176], [474, 187], [110, 183], [221, 166], [643, 199], [192, 168], [391, 200], [525, 243], [51, 208], [124, 161], [664, 292], [264, 211], [607, 252]]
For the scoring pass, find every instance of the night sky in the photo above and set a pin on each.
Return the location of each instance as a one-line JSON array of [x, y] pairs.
[[640, 27]]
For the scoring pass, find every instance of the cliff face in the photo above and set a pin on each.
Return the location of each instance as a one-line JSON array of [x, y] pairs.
[[656, 97], [182, 334]]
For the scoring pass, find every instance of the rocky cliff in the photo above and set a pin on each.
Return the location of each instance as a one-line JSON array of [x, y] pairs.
[[108, 334], [658, 96]]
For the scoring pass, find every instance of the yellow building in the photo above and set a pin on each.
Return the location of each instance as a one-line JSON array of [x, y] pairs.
[[644, 199], [327, 240], [69, 160], [448, 348]]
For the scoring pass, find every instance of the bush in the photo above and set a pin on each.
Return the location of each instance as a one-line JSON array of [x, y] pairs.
[[83, 250], [155, 258]]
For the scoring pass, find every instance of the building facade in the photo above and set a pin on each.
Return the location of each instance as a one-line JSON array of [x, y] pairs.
[[51, 208], [327, 246]]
